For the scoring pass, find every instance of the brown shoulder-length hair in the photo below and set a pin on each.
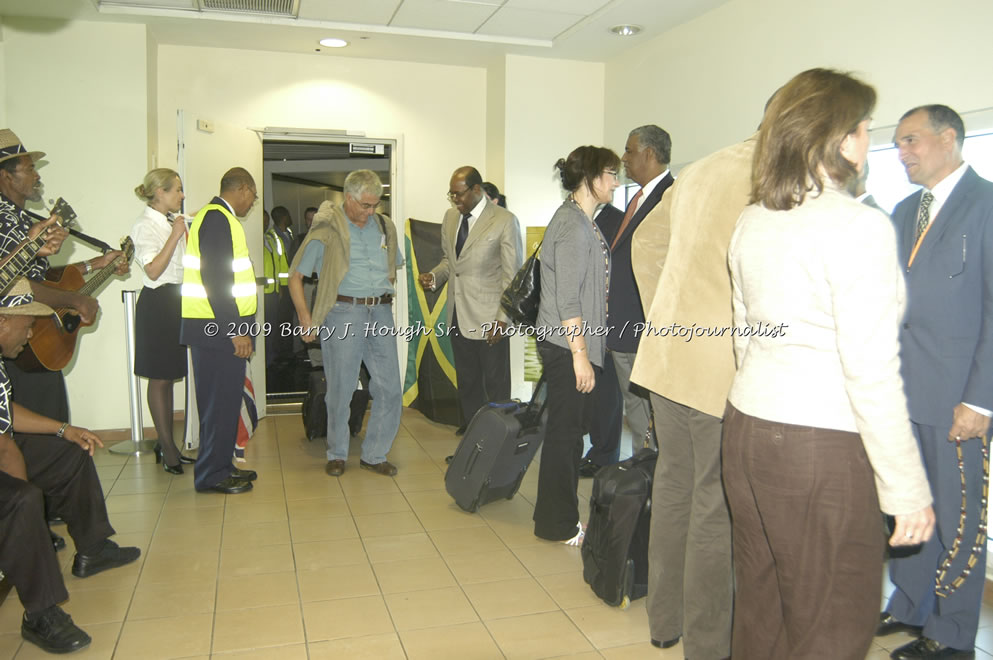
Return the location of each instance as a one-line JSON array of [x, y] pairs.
[[801, 134]]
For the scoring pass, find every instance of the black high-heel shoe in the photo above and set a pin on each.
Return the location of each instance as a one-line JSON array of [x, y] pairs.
[[171, 469]]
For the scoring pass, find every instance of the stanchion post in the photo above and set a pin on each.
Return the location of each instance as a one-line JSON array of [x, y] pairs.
[[136, 446]]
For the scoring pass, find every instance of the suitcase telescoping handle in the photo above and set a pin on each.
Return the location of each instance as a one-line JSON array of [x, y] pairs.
[[531, 417]]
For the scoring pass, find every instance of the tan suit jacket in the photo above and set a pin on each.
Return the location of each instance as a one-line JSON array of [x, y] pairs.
[[490, 258], [679, 257]]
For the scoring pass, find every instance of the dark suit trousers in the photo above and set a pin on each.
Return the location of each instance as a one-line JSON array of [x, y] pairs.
[[556, 509], [951, 620], [483, 372], [605, 426], [220, 381], [26, 554]]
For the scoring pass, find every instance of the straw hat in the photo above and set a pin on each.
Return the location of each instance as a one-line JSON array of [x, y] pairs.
[[20, 301], [11, 147]]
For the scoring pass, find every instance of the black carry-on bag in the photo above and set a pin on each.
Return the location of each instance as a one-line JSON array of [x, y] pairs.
[[615, 550], [496, 450], [315, 409]]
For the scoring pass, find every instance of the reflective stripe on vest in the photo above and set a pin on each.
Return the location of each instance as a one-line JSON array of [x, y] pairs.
[[195, 303], [275, 262]]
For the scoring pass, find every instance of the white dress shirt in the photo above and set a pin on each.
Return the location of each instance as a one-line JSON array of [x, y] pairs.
[[150, 233], [648, 188]]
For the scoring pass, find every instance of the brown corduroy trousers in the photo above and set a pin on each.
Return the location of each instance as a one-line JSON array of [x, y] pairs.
[[807, 539]]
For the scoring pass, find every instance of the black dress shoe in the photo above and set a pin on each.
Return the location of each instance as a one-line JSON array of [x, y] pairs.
[[925, 648], [109, 556], [460, 431], [588, 469], [244, 475], [667, 644], [187, 459], [229, 486], [58, 542], [53, 630], [889, 624], [448, 459]]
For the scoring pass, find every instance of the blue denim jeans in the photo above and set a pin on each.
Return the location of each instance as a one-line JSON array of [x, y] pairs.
[[361, 333]]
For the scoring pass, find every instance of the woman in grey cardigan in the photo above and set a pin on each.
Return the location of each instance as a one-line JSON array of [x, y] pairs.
[[575, 271]]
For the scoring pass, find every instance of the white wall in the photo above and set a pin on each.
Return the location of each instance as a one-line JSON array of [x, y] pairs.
[[552, 107], [437, 110], [707, 81], [77, 91]]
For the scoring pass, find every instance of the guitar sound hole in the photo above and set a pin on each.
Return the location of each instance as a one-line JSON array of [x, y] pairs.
[[70, 322]]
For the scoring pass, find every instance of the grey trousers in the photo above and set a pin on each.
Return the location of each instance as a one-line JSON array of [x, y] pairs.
[[689, 550], [635, 404]]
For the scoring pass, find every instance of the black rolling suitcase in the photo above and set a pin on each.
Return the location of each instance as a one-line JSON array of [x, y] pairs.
[[615, 550], [496, 450], [315, 410]]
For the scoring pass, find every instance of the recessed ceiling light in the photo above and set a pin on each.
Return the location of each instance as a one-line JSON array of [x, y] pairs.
[[334, 43], [626, 30]]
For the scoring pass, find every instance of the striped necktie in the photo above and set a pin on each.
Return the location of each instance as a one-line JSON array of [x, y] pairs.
[[924, 214]]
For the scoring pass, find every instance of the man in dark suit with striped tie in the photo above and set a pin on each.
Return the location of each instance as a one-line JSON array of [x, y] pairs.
[[945, 242]]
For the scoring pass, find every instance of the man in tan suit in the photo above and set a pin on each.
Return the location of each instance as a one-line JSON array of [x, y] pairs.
[[482, 251], [679, 256]]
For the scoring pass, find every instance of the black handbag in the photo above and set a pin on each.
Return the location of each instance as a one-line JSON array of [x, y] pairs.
[[520, 300]]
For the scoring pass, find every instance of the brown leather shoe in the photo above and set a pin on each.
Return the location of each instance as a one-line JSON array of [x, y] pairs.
[[335, 468], [385, 468]]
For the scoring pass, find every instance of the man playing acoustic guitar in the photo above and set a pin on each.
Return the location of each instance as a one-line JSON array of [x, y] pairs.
[[44, 392]]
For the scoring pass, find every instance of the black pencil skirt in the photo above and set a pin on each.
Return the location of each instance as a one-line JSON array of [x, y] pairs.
[[158, 353]]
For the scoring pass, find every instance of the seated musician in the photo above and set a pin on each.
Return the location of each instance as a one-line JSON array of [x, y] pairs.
[[44, 391], [46, 466]]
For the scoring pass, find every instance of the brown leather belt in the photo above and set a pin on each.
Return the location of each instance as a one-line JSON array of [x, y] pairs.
[[384, 299]]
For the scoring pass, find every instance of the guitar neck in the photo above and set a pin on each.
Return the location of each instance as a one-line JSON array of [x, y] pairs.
[[102, 276], [18, 262]]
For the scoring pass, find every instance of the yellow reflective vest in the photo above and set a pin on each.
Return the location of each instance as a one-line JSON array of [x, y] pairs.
[[195, 303], [277, 270]]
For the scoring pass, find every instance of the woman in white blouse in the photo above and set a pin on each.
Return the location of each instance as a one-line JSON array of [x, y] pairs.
[[159, 237], [817, 436]]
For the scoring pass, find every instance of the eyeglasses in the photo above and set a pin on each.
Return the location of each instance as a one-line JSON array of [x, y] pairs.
[[612, 173], [367, 207], [452, 196]]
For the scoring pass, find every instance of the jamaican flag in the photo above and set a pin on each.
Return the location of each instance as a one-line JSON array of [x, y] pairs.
[[429, 383]]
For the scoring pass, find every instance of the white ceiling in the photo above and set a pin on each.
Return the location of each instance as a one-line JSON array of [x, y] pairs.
[[470, 32]]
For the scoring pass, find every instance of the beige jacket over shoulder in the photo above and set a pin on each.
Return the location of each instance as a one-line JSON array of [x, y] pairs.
[[330, 228], [679, 257]]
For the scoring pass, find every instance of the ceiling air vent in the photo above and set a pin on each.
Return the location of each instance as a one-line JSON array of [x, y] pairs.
[[280, 8]]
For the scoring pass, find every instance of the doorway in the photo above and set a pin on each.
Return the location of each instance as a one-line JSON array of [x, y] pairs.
[[301, 173]]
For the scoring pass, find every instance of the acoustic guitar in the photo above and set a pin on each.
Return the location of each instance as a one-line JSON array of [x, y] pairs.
[[20, 258], [54, 337]]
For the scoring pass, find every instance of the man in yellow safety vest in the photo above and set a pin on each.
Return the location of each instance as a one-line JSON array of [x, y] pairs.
[[219, 304]]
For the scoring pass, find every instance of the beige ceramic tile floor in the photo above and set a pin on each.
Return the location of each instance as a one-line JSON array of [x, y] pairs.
[[307, 566]]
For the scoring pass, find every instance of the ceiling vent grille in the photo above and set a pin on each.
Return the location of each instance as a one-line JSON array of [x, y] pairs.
[[280, 8]]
